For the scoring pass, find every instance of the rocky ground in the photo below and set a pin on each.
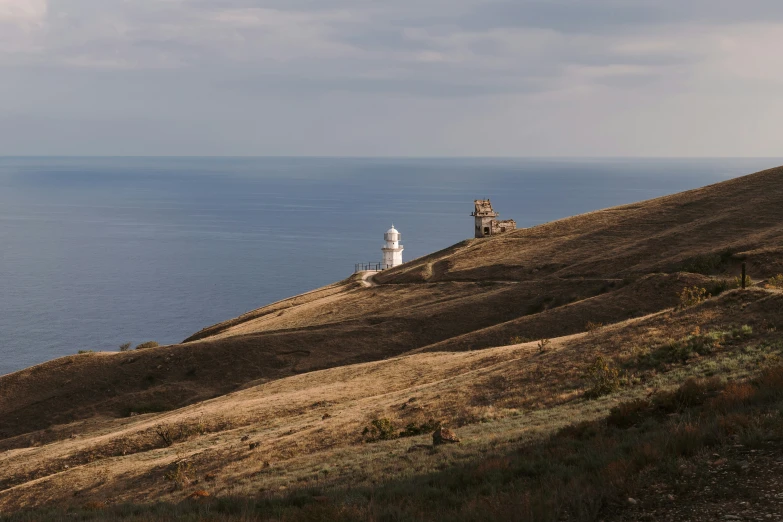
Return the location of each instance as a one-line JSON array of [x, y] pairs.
[[739, 483]]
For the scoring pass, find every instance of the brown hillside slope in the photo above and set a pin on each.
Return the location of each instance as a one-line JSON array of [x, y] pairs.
[[498, 399], [742, 215], [522, 278]]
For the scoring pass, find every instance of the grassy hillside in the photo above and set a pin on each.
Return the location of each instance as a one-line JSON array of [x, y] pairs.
[[507, 339]]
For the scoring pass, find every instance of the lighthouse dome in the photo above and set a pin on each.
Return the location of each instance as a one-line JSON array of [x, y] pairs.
[[392, 230]]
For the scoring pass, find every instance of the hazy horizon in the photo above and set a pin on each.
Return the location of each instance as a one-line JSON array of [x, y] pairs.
[[422, 157]]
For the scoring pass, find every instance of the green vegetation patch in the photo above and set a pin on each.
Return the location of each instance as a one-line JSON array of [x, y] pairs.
[[697, 344]]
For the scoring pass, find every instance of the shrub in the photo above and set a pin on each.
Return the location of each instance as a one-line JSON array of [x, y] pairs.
[[124, 347], [776, 282], [591, 326], [82, 352], [164, 432], [626, 414], [602, 378], [148, 344], [180, 474], [692, 296], [718, 286], [733, 395], [542, 344], [692, 392], [685, 439], [517, 339], [412, 429], [737, 283], [379, 429], [583, 430], [770, 382], [707, 263]]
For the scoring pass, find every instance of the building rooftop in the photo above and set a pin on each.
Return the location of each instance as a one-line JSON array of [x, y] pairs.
[[484, 208]]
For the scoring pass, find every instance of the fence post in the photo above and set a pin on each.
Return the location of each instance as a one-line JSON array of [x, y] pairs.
[[743, 276]]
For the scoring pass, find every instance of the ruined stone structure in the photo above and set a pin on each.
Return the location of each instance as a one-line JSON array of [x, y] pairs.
[[392, 252], [486, 222]]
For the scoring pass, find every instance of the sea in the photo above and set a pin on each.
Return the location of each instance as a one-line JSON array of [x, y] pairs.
[[96, 252]]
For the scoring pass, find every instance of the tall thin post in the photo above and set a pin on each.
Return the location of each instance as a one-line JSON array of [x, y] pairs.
[[743, 276]]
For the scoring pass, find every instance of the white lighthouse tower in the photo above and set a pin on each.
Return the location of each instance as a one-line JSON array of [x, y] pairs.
[[392, 252]]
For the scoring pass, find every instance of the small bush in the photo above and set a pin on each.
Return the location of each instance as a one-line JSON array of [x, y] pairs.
[[592, 327], [82, 352], [718, 286], [379, 429], [180, 474], [770, 382], [692, 296], [148, 344], [685, 439], [542, 345], [692, 392], [627, 414], [518, 340], [124, 347], [412, 429], [775, 282], [737, 283], [602, 378], [164, 432], [707, 263], [583, 430], [733, 395]]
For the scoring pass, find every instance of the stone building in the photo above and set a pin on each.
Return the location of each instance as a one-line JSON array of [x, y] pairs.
[[392, 252], [487, 223]]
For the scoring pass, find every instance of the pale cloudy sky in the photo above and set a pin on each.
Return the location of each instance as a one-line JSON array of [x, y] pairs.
[[392, 77]]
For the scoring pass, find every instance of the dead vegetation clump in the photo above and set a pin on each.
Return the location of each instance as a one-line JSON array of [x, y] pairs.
[[379, 429], [692, 296], [385, 429], [591, 326], [180, 473], [602, 378]]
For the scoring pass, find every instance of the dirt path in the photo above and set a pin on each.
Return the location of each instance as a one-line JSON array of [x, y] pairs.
[[367, 278]]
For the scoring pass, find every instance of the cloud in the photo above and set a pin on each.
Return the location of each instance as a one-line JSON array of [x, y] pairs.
[[557, 66], [22, 11]]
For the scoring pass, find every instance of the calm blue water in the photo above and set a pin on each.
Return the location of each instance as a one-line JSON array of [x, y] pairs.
[[97, 252]]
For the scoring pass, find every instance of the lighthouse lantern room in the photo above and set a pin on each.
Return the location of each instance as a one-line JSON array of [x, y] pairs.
[[392, 252]]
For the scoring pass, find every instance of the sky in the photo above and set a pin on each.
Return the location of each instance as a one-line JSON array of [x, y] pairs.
[[391, 77]]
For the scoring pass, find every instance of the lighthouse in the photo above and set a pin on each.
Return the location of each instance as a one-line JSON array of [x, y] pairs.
[[392, 252]]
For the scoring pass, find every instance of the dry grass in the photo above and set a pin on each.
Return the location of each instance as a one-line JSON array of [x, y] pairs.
[[583, 471], [276, 400], [306, 430]]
